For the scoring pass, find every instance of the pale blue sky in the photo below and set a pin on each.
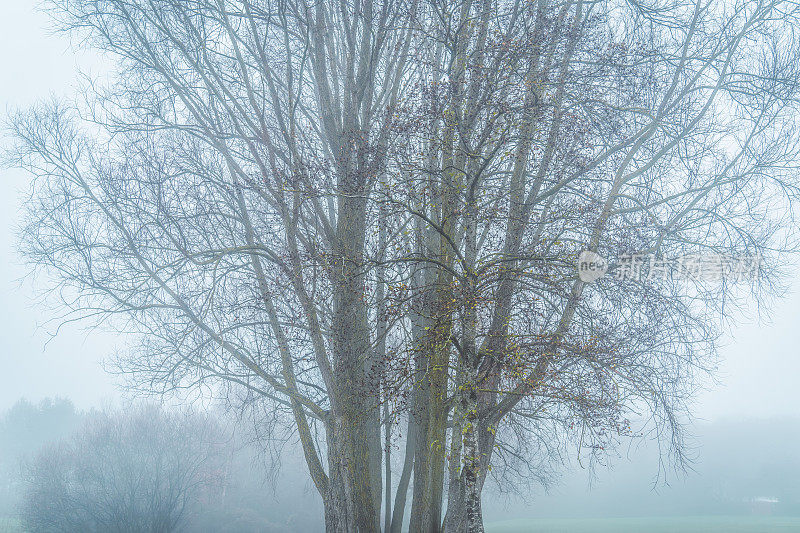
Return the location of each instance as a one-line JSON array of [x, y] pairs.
[[759, 374]]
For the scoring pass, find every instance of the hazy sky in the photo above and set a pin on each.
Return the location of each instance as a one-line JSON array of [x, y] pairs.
[[760, 367], [34, 64]]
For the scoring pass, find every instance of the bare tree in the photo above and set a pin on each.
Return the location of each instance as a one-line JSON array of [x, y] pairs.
[[325, 206], [660, 130], [138, 471], [241, 258]]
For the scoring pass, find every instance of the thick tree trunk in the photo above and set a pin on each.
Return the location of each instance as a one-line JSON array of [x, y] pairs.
[[429, 412], [353, 501], [349, 499], [421, 458], [429, 461], [454, 518]]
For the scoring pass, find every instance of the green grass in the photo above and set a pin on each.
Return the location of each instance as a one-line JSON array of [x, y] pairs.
[[9, 525], [688, 524]]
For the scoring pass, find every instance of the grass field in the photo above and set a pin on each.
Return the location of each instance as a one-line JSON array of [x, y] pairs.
[[9, 525], [691, 524]]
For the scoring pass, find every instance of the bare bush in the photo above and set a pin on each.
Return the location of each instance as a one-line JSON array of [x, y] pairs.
[[127, 472]]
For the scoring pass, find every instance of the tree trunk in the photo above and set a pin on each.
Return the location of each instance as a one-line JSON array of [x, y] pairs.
[[454, 518], [464, 512], [429, 412], [349, 498], [398, 511], [353, 433], [472, 474]]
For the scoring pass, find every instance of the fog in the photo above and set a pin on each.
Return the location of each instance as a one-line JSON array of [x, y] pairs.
[[758, 356], [743, 453]]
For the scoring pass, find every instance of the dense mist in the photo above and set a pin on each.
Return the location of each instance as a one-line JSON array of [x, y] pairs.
[[744, 468], [385, 266]]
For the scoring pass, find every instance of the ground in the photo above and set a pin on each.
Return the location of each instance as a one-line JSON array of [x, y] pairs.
[[9, 525], [694, 524]]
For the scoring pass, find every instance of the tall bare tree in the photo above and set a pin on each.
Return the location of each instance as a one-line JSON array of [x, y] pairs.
[[665, 130], [226, 211]]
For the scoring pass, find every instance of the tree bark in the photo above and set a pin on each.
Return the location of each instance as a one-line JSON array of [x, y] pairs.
[[349, 499]]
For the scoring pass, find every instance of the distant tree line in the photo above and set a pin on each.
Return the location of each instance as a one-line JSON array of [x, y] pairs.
[[24, 429], [141, 469]]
